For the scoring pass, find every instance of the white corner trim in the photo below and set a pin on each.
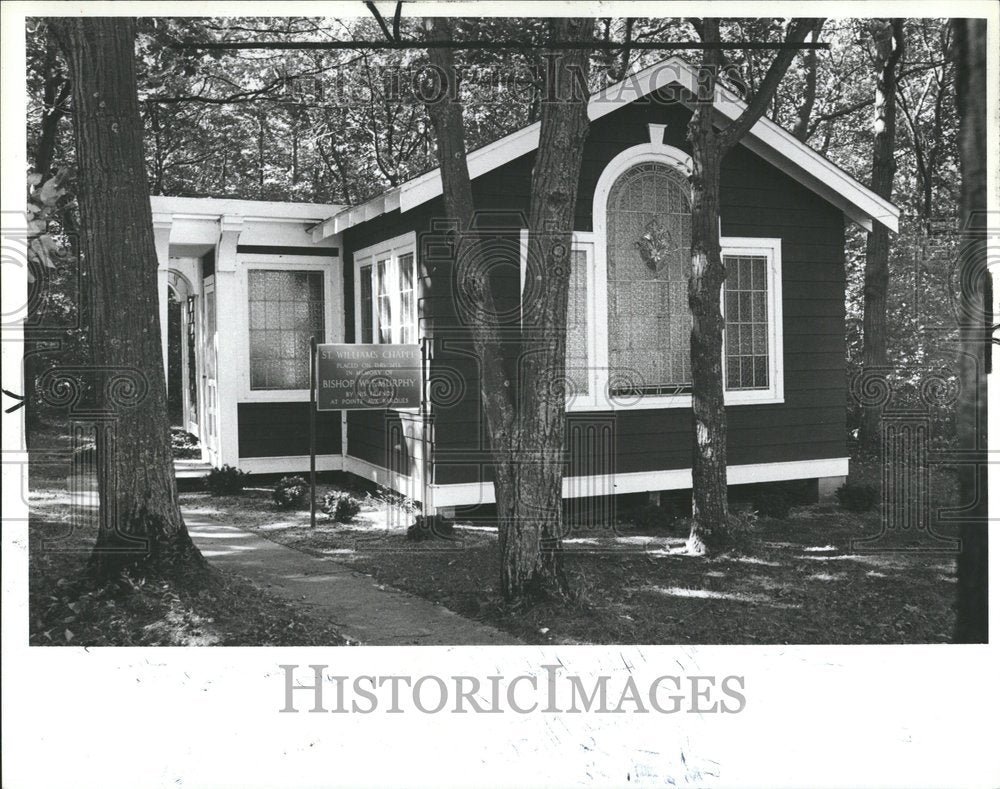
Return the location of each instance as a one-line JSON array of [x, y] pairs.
[[471, 493], [766, 139]]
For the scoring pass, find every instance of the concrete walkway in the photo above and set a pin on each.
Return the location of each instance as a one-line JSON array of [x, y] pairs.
[[361, 609]]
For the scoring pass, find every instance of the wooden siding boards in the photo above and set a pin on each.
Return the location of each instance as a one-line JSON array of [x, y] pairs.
[[757, 200], [282, 429], [367, 434]]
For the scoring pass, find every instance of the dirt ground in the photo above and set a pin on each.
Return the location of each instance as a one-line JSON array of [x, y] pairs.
[[209, 608], [794, 581]]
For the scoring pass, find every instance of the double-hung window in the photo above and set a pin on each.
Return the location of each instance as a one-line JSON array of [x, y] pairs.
[[386, 304]]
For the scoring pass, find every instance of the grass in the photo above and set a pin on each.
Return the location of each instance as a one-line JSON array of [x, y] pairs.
[[793, 581]]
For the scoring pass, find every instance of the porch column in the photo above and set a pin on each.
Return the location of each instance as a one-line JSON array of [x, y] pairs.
[[161, 235], [229, 338]]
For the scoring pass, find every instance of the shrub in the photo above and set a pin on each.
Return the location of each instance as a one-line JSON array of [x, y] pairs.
[[183, 444], [652, 516], [225, 481], [340, 506], [291, 493], [427, 527], [857, 496]]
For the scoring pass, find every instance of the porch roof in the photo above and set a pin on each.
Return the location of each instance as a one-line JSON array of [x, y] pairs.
[[767, 139], [264, 210], [191, 226]]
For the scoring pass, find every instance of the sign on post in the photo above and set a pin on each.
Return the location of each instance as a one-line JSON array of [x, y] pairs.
[[353, 377]]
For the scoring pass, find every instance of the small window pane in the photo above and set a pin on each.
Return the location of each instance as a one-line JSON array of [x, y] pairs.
[[365, 276], [747, 329], [383, 301], [286, 310], [406, 271], [407, 317]]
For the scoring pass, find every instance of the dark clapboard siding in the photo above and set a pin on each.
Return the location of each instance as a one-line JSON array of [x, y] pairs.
[[382, 438], [756, 200], [279, 429]]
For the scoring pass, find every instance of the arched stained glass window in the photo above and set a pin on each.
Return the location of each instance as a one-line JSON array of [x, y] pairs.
[[649, 259]]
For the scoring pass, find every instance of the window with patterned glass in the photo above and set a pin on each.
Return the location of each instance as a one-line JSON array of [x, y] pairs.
[[579, 303], [648, 262], [747, 324], [286, 310], [577, 364]]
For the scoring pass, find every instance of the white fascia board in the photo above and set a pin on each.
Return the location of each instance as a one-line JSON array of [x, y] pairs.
[[489, 157], [780, 148], [250, 209], [766, 138]]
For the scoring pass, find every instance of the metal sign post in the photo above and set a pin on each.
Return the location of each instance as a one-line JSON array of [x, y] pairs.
[[356, 376], [312, 432], [425, 449]]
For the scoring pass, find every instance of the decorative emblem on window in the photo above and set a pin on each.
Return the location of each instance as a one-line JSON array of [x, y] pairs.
[[654, 245]]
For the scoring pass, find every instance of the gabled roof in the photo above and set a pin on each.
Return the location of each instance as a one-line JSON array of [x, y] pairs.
[[766, 139]]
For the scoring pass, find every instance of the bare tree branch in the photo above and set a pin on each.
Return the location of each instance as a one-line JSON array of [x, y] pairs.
[[797, 32]]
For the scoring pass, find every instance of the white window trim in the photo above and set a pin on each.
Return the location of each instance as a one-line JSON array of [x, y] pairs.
[[393, 248], [333, 329], [597, 398], [653, 151], [769, 248]]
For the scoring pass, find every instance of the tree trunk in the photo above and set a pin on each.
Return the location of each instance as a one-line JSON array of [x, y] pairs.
[[710, 511], [260, 152], [972, 622], [542, 396], [497, 398], [526, 441], [889, 44], [802, 128], [55, 93], [140, 525]]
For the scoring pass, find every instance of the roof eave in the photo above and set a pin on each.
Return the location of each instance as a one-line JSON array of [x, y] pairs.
[[767, 139]]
